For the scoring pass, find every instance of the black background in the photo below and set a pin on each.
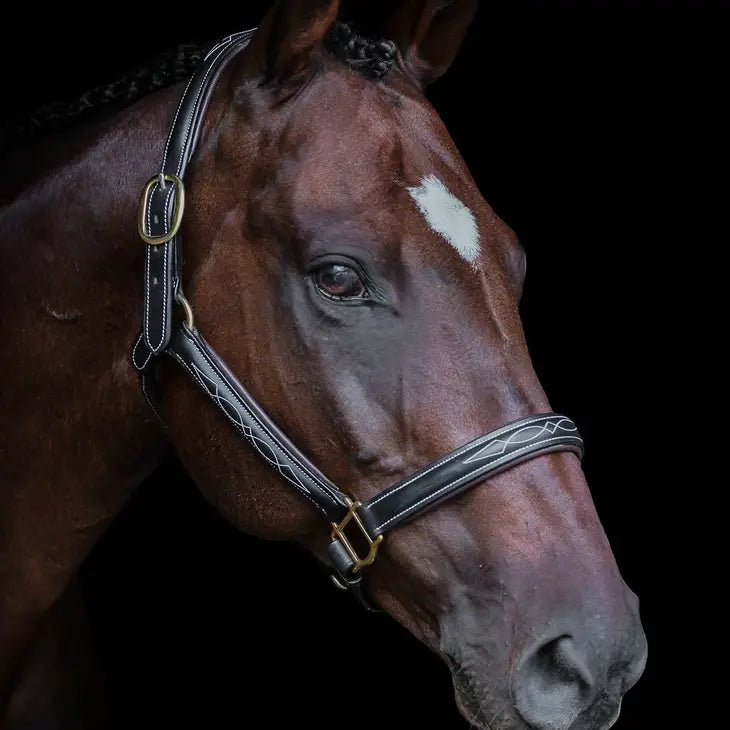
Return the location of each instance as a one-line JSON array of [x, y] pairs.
[[583, 124]]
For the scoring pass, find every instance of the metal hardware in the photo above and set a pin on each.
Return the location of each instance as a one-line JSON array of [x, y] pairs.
[[177, 209], [185, 304], [339, 534]]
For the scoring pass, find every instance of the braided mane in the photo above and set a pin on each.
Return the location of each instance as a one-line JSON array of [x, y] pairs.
[[371, 57]]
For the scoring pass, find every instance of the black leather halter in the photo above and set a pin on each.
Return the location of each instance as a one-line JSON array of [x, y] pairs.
[[160, 217]]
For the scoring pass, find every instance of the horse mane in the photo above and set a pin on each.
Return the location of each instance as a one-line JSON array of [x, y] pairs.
[[371, 57]]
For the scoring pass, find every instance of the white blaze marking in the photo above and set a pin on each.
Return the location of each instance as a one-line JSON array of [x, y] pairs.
[[448, 216]]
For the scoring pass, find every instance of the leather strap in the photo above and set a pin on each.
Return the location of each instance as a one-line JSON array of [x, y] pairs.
[[443, 479], [214, 378], [484, 457], [163, 262], [461, 469]]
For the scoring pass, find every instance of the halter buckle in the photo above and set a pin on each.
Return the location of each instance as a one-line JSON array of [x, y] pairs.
[[177, 208], [339, 534]]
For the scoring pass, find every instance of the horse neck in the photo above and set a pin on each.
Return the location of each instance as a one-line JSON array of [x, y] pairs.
[[72, 272]]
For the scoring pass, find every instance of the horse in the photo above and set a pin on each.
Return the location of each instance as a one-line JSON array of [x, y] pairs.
[[342, 261]]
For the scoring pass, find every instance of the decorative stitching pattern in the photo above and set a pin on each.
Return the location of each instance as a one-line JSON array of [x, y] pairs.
[[498, 446], [241, 426], [134, 354], [486, 468], [261, 446], [285, 452], [450, 457]]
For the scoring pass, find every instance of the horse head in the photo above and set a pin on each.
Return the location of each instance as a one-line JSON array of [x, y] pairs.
[[343, 262]]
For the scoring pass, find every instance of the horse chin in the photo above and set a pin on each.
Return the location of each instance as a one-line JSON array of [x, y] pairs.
[[477, 716], [484, 710]]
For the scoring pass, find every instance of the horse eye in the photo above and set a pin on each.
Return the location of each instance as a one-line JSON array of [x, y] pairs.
[[339, 282]]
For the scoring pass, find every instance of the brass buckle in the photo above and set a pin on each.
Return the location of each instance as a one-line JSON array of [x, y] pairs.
[[339, 534], [177, 209]]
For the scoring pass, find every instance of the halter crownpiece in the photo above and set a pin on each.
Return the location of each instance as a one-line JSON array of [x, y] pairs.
[[160, 219]]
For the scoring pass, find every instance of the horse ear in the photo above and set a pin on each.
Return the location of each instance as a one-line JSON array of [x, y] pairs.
[[290, 37], [429, 34]]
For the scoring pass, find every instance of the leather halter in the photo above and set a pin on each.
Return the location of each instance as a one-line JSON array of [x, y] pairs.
[[160, 217]]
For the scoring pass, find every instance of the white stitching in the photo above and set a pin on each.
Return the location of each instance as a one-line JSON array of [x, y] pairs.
[[134, 354], [512, 439], [198, 379], [165, 293], [286, 454], [228, 41], [147, 274], [220, 48], [166, 246], [152, 347], [167, 203], [247, 430], [149, 208], [473, 473], [450, 457], [193, 112], [143, 382], [223, 42], [148, 265], [174, 121]]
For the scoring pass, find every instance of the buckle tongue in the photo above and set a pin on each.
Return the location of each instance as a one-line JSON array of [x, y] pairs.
[[339, 534]]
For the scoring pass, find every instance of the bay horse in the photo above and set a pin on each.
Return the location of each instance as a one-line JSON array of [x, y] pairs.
[[342, 261]]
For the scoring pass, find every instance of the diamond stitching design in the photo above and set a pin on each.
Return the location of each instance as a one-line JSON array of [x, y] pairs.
[[531, 432], [259, 444]]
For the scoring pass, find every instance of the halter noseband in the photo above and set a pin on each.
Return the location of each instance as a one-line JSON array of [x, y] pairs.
[[160, 218]]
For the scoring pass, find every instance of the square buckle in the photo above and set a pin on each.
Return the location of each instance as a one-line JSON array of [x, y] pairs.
[[339, 534]]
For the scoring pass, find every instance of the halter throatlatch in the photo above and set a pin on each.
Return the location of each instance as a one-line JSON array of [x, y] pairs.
[[352, 523]]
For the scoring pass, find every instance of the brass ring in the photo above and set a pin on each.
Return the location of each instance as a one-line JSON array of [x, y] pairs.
[[185, 304]]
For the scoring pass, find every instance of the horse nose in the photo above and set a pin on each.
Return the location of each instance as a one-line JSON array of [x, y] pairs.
[[554, 684], [563, 679]]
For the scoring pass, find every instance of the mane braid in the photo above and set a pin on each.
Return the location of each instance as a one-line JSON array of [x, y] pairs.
[[372, 57], [166, 69]]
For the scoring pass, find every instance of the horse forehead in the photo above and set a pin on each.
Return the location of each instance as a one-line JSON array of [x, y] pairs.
[[346, 131], [341, 149], [352, 142], [448, 216]]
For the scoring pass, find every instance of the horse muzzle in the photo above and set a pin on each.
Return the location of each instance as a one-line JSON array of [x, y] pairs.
[[559, 684]]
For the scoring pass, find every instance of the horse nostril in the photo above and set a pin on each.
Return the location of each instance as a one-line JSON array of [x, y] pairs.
[[561, 658], [553, 685]]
